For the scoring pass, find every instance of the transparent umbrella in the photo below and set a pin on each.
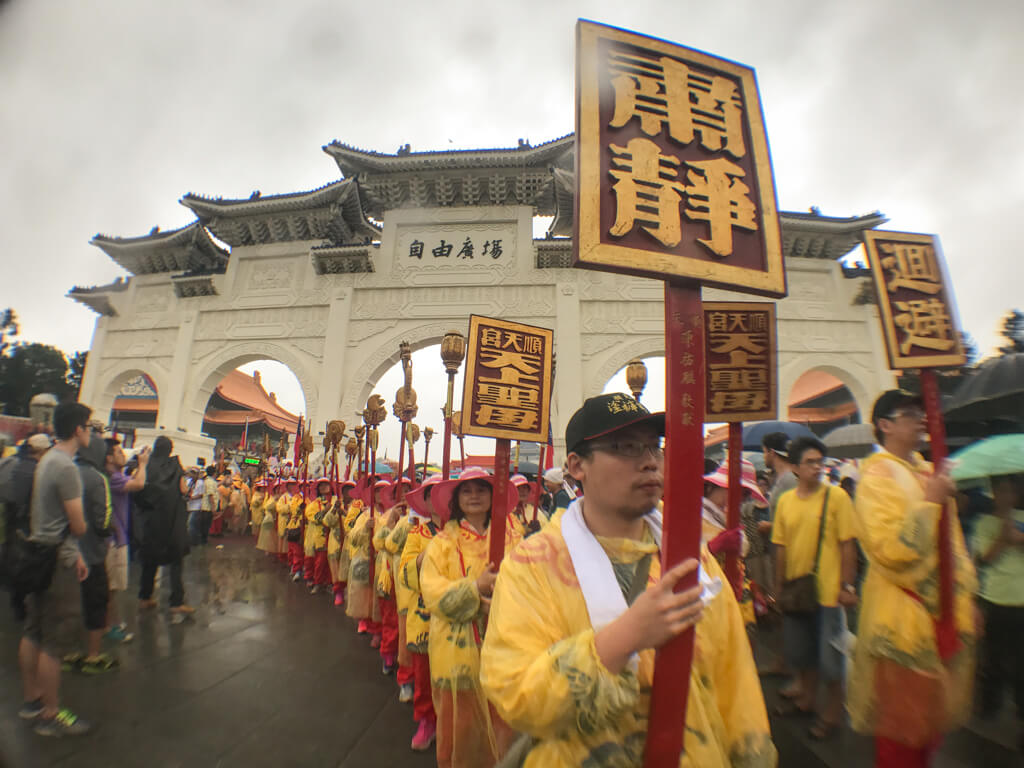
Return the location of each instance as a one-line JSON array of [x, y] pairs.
[[1002, 455], [852, 441]]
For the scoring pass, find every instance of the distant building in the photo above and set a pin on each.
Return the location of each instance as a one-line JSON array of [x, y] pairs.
[[239, 405]]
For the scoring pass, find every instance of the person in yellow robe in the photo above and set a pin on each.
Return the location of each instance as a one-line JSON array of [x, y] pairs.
[[335, 522], [384, 575], [295, 527], [267, 541], [429, 521], [393, 541], [283, 508], [456, 582], [316, 535], [913, 668], [361, 602], [525, 513], [580, 608], [259, 494]]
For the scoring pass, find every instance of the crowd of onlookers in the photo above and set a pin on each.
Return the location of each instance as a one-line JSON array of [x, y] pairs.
[[816, 540]]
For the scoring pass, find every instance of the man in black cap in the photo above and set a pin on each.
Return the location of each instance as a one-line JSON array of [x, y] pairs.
[[912, 675], [580, 608]]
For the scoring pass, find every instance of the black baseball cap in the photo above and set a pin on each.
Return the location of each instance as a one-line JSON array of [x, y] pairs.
[[605, 414], [891, 401]]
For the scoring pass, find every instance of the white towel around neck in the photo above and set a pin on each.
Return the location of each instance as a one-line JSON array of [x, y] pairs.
[[600, 588]]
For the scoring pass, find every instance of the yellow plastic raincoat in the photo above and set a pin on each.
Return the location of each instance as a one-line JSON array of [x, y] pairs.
[[267, 541], [361, 600], [469, 734], [540, 669], [417, 625], [316, 530], [899, 688], [256, 510], [283, 512], [334, 520]]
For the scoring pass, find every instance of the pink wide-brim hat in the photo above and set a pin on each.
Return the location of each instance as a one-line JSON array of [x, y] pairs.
[[415, 498], [441, 496], [748, 479], [366, 497], [518, 480], [391, 495]]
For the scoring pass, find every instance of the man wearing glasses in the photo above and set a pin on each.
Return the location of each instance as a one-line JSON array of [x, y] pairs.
[[813, 535], [53, 601], [913, 668], [580, 608]]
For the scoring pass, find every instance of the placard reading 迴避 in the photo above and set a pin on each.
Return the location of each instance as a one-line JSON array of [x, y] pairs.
[[674, 177], [915, 305], [740, 355], [507, 390]]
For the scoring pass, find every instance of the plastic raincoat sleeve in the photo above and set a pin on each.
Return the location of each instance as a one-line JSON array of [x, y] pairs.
[[453, 599], [540, 681], [380, 533], [899, 533], [331, 518], [396, 539], [360, 535], [414, 544]]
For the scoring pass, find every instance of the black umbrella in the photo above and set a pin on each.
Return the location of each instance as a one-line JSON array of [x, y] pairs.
[[754, 433], [995, 391]]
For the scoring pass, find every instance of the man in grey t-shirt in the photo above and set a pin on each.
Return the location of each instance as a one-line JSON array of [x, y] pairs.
[[53, 613]]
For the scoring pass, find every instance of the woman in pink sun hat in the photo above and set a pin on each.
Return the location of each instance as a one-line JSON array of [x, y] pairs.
[[457, 581], [428, 522], [389, 536], [722, 540], [525, 513], [337, 558]]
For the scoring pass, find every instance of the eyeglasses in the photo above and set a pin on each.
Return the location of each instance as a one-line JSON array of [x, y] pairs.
[[914, 414], [631, 449], [813, 462]]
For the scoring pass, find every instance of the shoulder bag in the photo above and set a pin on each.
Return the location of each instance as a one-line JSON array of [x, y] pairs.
[[800, 595]]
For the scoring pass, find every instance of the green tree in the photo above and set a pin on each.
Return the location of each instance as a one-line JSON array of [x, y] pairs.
[[28, 370], [76, 369], [1013, 332], [8, 329]]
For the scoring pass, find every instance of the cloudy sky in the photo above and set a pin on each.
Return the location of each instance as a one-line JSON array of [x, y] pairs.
[[113, 109]]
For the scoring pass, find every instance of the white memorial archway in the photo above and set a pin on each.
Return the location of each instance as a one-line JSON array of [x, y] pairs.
[[405, 247]]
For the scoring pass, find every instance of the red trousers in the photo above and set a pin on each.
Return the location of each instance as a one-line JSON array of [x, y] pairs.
[[389, 629], [321, 571], [422, 702], [217, 525], [295, 556], [283, 557], [308, 565], [339, 586], [892, 754]]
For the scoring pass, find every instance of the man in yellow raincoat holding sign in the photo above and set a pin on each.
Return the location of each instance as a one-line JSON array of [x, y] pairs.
[[911, 681], [580, 607]]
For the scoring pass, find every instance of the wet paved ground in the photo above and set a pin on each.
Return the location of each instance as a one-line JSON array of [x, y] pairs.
[[268, 675]]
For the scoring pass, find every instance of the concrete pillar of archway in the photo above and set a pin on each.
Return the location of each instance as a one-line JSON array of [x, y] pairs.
[[89, 391], [331, 372], [569, 371], [172, 404]]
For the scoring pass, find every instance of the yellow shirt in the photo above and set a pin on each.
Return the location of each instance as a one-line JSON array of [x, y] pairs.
[[796, 529], [540, 669], [899, 688]]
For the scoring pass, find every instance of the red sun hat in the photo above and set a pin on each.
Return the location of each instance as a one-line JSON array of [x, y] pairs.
[[366, 497], [518, 480], [391, 496], [748, 479], [442, 495], [415, 498]]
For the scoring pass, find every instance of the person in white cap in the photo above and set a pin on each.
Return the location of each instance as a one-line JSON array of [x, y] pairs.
[[580, 608]]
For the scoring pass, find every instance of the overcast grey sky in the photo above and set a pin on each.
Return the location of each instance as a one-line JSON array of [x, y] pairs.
[[111, 110]]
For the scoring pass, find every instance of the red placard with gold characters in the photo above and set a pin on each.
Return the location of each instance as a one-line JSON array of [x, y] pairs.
[[916, 307], [507, 390], [740, 351], [674, 177]]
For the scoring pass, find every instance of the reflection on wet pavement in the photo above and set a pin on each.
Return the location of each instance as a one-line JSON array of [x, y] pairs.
[[263, 674]]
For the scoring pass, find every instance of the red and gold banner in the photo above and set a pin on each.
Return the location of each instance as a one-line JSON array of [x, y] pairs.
[[740, 353], [673, 172], [915, 304], [507, 391]]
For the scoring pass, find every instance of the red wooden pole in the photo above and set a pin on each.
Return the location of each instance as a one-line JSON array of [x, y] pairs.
[[540, 479], [684, 452], [373, 513], [499, 501], [399, 489], [412, 465], [462, 453], [732, 513], [946, 629], [446, 448]]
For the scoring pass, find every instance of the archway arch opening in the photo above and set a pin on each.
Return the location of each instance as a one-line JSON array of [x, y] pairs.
[[820, 400], [135, 402], [653, 395], [261, 397]]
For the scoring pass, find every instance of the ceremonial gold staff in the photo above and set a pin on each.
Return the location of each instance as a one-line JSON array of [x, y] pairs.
[[453, 350]]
